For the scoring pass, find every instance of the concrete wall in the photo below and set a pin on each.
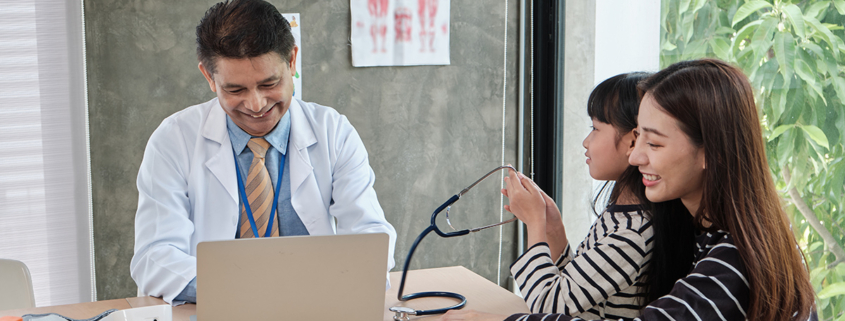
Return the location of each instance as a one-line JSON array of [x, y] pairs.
[[578, 64], [430, 130]]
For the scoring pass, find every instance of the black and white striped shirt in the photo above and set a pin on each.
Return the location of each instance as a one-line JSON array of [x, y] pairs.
[[715, 289], [602, 280]]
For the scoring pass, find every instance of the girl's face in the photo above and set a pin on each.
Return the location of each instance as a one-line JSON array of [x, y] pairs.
[[671, 165], [607, 153]]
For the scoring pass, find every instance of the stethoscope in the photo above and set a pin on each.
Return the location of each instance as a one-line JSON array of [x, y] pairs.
[[402, 313]]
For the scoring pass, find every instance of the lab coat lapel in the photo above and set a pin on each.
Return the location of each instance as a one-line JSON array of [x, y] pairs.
[[221, 162], [301, 136]]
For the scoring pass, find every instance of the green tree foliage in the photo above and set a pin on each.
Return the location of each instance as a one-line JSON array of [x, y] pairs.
[[794, 55]]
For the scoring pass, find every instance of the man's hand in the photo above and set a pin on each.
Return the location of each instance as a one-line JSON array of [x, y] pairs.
[[452, 315]]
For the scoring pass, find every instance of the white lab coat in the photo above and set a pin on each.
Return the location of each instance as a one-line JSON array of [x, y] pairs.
[[188, 191]]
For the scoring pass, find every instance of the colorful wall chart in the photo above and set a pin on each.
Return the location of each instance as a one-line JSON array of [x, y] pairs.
[[400, 32], [296, 30]]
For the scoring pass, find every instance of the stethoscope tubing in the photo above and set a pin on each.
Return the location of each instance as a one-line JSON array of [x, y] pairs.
[[437, 294], [429, 229]]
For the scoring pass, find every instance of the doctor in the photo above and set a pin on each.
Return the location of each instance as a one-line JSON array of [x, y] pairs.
[[253, 161]]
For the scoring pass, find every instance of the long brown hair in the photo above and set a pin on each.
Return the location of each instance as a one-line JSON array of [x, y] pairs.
[[714, 106]]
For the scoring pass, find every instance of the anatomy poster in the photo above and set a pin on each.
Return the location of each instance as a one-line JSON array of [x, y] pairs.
[[295, 29], [400, 32]]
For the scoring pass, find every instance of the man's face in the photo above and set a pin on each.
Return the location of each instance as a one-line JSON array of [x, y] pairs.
[[254, 92]]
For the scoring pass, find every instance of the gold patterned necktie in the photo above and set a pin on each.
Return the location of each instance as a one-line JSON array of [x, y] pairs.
[[259, 191]]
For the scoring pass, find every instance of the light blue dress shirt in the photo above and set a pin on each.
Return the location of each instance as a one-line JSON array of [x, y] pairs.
[[288, 221]]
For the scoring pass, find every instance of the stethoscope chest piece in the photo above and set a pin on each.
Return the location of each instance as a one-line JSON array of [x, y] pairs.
[[402, 313]]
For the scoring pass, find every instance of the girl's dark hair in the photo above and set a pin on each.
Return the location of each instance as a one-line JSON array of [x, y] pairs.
[[242, 29], [616, 101], [713, 104]]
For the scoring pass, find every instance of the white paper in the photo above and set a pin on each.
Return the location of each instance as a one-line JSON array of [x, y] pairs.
[[295, 29], [400, 32]]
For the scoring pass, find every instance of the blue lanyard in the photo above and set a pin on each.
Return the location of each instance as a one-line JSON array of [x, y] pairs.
[[242, 190]]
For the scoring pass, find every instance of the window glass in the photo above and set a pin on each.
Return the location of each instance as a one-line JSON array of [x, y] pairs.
[[44, 216]]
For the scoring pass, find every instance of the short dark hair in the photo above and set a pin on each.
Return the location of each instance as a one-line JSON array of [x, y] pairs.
[[616, 101], [242, 29]]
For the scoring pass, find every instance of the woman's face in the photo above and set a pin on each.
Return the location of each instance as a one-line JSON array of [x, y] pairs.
[[607, 153], [671, 165]]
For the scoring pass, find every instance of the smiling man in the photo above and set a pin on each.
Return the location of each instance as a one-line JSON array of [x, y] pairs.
[[253, 162]]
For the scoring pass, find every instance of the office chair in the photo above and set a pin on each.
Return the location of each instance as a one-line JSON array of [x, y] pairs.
[[15, 286]]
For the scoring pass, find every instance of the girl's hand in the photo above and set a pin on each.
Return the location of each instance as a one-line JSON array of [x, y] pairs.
[[471, 315], [553, 216], [555, 232], [526, 200]]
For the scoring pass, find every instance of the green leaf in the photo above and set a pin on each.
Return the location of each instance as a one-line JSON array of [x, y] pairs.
[[816, 134], [825, 33], [813, 247], [832, 290], [816, 8], [765, 76], [744, 55], [695, 49], [666, 7], [698, 4], [794, 105], [668, 46], [784, 151], [840, 269], [744, 33], [778, 103], [817, 274], [761, 41], [684, 6], [793, 13], [785, 53], [815, 159], [688, 25], [839, 87], [840, 6], [822, 304], [833, 26], [721, 48], [724, 30], [814, 48], [805, 72], [780, 130], [748, 8]]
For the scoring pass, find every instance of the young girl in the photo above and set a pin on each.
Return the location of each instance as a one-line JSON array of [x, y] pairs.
[[700, 142], [605, 279]]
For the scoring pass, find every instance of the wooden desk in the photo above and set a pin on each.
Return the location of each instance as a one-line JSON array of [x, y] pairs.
[[75, 311], [481, 295]]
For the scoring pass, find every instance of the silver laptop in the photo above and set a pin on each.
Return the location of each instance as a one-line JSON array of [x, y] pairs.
[[332, 277]]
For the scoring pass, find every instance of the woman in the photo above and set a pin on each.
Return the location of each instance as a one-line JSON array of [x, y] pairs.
[[700, 142]]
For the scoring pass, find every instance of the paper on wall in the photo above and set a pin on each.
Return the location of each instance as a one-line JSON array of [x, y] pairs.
[[400, 32], [295, 29]]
